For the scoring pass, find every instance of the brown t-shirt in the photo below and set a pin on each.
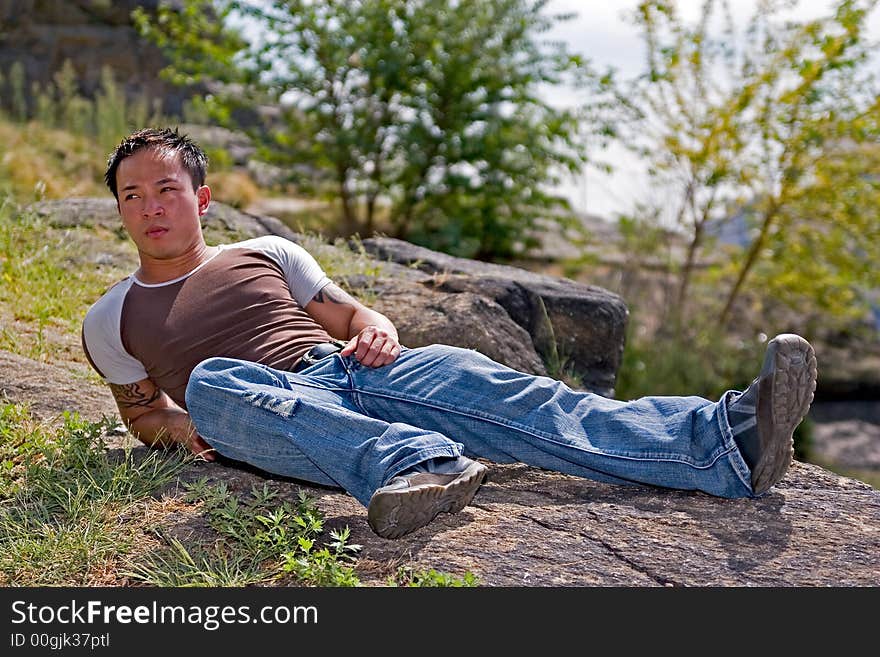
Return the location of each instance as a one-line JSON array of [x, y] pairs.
[[246, 302]]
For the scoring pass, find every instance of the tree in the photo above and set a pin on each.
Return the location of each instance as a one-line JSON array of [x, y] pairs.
[[425, 116], [779, 123]]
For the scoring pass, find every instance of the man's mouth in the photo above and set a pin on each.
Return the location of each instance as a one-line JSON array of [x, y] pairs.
[[156, 231]]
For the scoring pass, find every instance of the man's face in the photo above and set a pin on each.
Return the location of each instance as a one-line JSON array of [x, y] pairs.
[[159, 209]]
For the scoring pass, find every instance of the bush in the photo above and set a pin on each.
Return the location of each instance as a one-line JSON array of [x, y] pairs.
[[234, 188]]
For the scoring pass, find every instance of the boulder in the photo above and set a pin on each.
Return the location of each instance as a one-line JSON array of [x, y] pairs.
[[577, 329], [533, 528], [42, 35], [425, 315]]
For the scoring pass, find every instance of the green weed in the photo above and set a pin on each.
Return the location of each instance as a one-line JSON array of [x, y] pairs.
[[406, 576], [260, 538], [70, 510]]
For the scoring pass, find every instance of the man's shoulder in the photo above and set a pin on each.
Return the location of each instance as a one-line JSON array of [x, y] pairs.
[[112, 297], [101, 322], [286, 253], [263, 243]]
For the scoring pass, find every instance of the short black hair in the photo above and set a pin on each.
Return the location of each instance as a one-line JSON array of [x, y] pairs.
[[191, 155]]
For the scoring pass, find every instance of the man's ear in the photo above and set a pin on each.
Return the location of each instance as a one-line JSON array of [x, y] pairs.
[[203, 194]]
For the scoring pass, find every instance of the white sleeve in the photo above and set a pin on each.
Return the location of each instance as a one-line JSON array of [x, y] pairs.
[[102, 339], [303, 273]]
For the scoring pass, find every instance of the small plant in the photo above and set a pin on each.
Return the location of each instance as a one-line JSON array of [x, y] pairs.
[[330, 565], [260, 539], [406, 576]]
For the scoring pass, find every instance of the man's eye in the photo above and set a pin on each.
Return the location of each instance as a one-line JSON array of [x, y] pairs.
[[167, 189], [129, 197]]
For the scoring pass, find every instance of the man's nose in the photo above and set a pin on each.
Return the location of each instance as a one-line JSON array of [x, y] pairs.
[[152, 207]]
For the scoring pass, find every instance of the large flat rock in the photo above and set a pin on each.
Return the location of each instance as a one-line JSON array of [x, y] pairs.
[[529, 527]]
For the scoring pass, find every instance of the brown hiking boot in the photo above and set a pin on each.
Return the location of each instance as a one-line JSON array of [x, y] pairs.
[[764, 417], [411, 501]]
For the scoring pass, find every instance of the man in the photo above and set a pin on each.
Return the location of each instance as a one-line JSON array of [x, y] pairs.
[[250, 350]]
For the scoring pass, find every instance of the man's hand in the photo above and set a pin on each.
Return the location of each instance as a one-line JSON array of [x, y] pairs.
[[373, 347], [177, 427], [200, 448], [154, 418], [182, 430], [372, 337]]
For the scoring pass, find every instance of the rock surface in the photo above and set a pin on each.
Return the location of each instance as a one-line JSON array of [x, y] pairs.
[[529, 527], [847, 433], [43, 34]]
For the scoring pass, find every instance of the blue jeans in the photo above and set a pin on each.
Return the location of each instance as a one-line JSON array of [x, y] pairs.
[[339, 423]]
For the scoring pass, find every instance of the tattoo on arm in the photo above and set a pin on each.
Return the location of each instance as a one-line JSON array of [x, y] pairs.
[[332, 294], [130, 395]]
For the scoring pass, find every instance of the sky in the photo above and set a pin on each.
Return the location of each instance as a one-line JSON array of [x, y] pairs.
[[600, 34]]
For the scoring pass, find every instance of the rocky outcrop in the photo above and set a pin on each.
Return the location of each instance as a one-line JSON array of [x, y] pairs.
[[43, 34], [527, 321], [530, 527], [526, 526]]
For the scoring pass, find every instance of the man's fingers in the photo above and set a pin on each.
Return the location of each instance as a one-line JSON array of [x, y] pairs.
[[202, 449], [368, 352], [372, 347], [369, 343], [348, 349], [382, 350], [390, 351], [381, 353]]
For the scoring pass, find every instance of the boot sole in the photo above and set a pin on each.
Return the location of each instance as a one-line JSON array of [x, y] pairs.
[[395, 513], [790, 364]]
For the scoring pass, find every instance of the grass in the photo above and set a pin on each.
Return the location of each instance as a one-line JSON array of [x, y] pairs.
[[40, 162], [70, 510], [73, 512], [48, 282]]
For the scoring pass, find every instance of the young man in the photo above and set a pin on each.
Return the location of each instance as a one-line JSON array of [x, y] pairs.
[[250, 350]]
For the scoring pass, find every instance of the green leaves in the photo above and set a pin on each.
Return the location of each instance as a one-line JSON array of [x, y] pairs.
[[781, 123], [422, 118]]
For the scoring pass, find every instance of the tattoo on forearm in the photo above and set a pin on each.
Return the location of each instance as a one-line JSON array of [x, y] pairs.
[[332, 294], [130, 395]]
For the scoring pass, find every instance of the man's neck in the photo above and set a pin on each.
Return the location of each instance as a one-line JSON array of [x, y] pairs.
[[160, 270]]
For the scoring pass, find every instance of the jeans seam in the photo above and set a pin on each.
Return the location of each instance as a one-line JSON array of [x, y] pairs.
[[737, 462], [538, 434]]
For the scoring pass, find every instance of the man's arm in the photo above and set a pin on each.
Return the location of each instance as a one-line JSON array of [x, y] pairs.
[[372, 336], [154, 418]]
